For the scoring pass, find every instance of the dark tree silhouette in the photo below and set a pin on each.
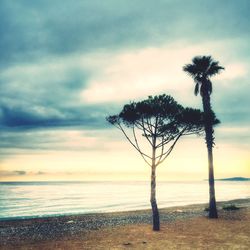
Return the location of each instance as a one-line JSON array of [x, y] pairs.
[[161, 121], [201, 69]]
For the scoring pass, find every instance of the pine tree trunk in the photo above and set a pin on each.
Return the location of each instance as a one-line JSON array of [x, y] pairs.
[[209, 141], [155, 212]]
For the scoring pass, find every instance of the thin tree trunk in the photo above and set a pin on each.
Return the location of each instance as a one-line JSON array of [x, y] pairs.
[[209, 141], [155, 212], [212, 201]]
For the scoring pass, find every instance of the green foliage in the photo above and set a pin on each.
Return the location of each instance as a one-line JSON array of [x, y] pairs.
[[230, 207], [171, 117], [113, 119], [203, 65], [161, 121], [162, 106], [201, 69]]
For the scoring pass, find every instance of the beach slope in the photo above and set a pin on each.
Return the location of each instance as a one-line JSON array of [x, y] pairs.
[[184, 227]]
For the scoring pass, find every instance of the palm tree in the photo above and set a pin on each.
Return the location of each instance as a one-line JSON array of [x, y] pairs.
[[201, 69]]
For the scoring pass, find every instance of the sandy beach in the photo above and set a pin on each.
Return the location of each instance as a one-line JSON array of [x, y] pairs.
[[185, 227]]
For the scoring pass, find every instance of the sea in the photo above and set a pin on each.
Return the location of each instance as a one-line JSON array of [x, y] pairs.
[[19, 200]]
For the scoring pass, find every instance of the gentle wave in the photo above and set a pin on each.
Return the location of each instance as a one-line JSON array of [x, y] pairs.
[[39, 199]]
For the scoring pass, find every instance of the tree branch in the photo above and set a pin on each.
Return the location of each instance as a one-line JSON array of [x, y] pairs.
[[137, 145], [167, 153], [137, 148], [141, 127], [164, 142], [150, 125], [144, 130]]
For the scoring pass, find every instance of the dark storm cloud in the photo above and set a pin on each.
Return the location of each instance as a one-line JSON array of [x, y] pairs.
[[33, 29], [45, 96], [28, 118], [20, 172], [40, 140], [4, 173], [231, 102]]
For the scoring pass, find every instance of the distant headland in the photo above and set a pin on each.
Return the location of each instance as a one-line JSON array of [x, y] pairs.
[[234, 179]]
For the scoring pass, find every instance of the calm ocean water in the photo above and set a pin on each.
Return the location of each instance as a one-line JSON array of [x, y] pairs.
[[40, 199]]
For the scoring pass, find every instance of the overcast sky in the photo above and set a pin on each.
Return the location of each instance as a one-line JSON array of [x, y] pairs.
[[65, 66]]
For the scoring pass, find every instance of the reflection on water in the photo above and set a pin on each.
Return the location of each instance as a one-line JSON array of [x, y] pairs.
[[35, 199]]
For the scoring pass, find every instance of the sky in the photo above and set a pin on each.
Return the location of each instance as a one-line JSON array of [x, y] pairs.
[[65, 66]]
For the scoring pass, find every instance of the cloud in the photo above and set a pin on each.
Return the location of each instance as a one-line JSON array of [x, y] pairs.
[[65, 66], [62, 71], [135, 74], [230, 101], [234, 71], [20, 172], [152, 70], [51, 28], [63, 142], [54, 140], [48, 95], [234, 135], [41, 173], [45, 117], [4, 173]]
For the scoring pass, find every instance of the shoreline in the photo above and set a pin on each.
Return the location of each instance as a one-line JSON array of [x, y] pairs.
[[239, 202], [15, 233]]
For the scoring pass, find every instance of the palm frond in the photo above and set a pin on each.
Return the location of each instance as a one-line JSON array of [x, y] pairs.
[[196, 88], [202, 63], [209, 87], [196, 60], [202, 89], [190, 69], [214, 69], [205, 63], [206, 87], [201, 69], [198, 78]]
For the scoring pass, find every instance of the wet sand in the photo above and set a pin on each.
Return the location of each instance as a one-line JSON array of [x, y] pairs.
[[185, 227]]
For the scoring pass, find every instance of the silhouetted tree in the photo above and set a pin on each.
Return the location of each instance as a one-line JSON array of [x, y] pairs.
[[161, 121], [201, 69]]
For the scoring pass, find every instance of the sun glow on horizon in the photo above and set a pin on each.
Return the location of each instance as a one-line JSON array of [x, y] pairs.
[[187, 162]]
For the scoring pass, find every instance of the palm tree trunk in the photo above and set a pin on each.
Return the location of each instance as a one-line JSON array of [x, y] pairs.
[[155, 212], [209, 141]]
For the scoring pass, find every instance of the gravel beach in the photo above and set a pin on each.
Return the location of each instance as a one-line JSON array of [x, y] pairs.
[[14, 234]]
